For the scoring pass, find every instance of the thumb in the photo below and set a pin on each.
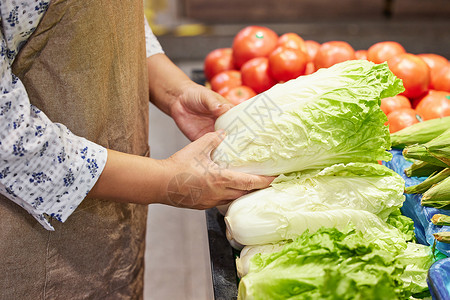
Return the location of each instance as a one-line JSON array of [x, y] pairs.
[[210, 141], [217, 104]]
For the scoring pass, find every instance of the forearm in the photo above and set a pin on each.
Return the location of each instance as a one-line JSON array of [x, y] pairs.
[[131, 178], [195, 181], [166, 81]]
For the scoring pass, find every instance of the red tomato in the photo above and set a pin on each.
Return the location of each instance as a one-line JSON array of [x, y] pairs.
[[361, 54], [402, 118], [255, 74], [251, 42], [311, 49], [436, 63], [292, 40], [415, 102], [442, 81], [413, 71], [391, 104], [217, 61], [239, 94], [382, 51], [224, 81], [435, 104], [310, 68], [333, 52], [287, 63]]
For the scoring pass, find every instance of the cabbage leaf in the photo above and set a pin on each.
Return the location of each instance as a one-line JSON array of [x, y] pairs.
[[335, 264], [361, 193], [331, 116]]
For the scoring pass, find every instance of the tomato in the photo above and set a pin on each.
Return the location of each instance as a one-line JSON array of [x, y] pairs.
[[413, 71], [310, 68], [435, 104], [287, 63], [239, 94], [217, 61], [436, 63], [442, 81], [361, 54], [292, 40], [391, 104], [333, 52], [402, 118], [226, 80], [382, 51], [251, 42], [255, 74], [311, 48]]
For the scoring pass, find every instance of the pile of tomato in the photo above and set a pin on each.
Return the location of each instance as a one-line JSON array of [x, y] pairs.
[[259, 58]]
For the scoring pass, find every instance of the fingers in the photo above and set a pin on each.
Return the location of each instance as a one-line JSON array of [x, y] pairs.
[[209, 141], [246, 182], [216, 104]]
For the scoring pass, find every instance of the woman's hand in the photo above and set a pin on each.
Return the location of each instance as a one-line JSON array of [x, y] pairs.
[[189, 178], [197, 182], [196, 110]]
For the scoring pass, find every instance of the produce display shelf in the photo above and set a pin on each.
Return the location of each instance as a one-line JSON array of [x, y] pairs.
[[223, 266]]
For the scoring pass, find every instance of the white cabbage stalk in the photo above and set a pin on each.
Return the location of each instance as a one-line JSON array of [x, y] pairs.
[[331, 116], [358, 193], [271, 227], [247, 253]]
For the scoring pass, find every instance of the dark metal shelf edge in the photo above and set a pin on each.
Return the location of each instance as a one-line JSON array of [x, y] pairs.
[[223, 266]]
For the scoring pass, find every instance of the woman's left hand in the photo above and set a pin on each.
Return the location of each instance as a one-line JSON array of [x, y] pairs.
[[196, 110]]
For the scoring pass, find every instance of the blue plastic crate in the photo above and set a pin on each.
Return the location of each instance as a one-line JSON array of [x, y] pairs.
[[439, 279]]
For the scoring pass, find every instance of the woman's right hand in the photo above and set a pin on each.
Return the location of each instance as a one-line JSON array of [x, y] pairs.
[[195, 181]]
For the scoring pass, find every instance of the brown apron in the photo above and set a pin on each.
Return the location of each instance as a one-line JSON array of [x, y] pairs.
[[84, 67]]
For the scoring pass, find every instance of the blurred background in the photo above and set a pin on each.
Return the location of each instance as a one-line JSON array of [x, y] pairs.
[[177, 257]]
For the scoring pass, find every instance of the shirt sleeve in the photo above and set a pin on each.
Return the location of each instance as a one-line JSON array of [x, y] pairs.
[[151, 42], [44, 167]]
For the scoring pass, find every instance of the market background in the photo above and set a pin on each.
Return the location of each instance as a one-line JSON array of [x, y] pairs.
[[177, 255]]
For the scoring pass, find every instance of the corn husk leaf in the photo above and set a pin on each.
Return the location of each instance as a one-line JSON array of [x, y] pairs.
[[438, 196], [428, 183], [421, 168], [420, 133], [441, 220], [436, 151], [443, 237]]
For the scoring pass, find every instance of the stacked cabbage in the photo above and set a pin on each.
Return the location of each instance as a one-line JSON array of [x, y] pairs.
[[328, 219]]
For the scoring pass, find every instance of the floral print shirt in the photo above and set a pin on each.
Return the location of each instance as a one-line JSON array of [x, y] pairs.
[[44, 167]]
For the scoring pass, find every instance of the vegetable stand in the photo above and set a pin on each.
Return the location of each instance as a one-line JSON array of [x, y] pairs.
[[222, 255], [223, 266]]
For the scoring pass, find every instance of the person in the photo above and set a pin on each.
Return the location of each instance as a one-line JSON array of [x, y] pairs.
[[75, 176]]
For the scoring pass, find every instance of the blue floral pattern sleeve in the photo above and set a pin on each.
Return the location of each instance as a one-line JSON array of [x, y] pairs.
[[151, 42], [44, 167]]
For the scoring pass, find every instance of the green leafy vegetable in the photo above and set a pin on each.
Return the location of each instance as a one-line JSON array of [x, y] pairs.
[[403, 223], [338, 264], [331, 116], [361, 193]]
